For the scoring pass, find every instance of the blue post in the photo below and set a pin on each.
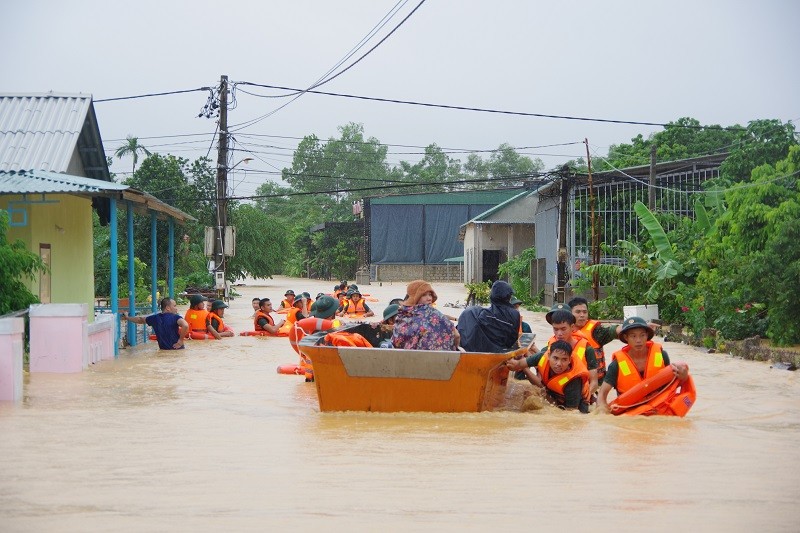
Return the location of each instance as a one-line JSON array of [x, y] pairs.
[[171, 273], [153, 263], [131, 279], [114, 273]]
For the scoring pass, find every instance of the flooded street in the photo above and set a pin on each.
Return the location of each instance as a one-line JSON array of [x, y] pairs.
[[212, 438]]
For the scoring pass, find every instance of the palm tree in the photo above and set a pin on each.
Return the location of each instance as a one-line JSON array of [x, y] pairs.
[[132, 148]]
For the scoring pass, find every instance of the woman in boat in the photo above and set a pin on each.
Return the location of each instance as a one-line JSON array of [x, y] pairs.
[[419, 325], [640, 360]]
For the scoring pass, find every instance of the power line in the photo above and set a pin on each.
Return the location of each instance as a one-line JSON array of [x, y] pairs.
[[148, 95], [494, 111], [299, 92]]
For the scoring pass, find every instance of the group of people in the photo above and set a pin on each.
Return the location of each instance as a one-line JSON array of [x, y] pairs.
[[571, 368], [203, 317]]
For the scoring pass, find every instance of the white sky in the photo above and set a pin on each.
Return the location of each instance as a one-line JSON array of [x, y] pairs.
[[721, 62]]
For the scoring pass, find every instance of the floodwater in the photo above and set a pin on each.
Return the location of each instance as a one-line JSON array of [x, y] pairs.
[[211, 438]]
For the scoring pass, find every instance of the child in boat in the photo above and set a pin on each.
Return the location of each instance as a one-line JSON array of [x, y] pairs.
[[387, 325], [639, 360]]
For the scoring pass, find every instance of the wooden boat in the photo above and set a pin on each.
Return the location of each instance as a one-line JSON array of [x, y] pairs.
[[390, 380]]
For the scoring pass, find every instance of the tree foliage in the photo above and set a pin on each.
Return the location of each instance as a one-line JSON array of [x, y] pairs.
[[17, 264], [131, 148], [753, 257]]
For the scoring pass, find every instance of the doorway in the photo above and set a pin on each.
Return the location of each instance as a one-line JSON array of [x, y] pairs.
[[44, 277], [491, 265]]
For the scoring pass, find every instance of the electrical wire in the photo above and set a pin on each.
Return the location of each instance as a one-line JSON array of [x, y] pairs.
[[493, 111], [148, 95], [300, 92]]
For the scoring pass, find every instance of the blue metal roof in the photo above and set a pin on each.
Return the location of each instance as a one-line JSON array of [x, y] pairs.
[[41, 181]]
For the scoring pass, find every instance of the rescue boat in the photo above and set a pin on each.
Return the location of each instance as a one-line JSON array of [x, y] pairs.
[[350, 378]]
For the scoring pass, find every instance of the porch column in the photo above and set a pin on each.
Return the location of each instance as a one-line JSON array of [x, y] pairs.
[[131, 278], [171, 252], [153, 264], [113, 237]]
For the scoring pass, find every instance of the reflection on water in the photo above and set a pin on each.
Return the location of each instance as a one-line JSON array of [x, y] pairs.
[[212, 438]]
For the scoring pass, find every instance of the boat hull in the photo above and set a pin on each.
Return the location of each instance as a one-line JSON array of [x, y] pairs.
[[389, 380]]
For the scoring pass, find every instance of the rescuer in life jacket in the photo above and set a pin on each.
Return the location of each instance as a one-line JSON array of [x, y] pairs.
[[639, 360], [563, 376], [197, 314]]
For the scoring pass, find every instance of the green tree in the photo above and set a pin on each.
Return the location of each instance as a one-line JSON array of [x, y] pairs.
[[131, 148], [260, 244], [752, 259], [16, 263]]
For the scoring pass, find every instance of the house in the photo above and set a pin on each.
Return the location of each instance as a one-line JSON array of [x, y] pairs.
[[496, 235], [53, 173], [416, 236]]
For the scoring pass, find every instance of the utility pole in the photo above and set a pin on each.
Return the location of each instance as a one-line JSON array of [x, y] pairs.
[[561, 290], [651, 189], [222, 185]]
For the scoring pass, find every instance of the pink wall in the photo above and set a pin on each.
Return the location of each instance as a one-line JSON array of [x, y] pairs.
[[11, 333], [59, 338]]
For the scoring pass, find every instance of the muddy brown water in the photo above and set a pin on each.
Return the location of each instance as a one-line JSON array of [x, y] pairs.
[[212, 438]]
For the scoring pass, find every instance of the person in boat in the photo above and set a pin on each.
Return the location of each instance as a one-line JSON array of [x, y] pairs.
[[355, 306], [397, 301], [197, 314], [563, 376], [639, 360], [263, 321], [420, 326], [323, 318], [494, 329], [256, 303], [524, 326], [562, 320], [288, 300], [387, 325], [170, 328], [216, 324], [597, 334]]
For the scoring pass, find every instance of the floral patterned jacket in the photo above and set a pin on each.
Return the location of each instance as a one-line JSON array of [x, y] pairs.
[[423, 327]]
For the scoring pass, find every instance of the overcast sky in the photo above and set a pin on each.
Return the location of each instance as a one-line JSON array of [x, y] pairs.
[[721, 62]]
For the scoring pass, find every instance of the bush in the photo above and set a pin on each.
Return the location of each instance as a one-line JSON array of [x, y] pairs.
[[747, 321], [518, 271], [480, 292]]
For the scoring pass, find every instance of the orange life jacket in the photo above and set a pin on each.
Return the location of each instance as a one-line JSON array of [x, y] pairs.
[[556, 383], [214, 316], [578, 342], [347, 339], [354, 308], [259, 315], [285, 303], [587, 331], [629, 375], [197, 319]]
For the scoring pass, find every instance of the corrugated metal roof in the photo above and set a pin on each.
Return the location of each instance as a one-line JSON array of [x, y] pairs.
[[41, 181], [41, 131], [449, 198]]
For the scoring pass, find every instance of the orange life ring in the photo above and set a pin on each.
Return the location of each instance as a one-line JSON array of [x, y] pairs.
[[152, 337], [293, 370], [201, 336], [661, 394], [261, 333]]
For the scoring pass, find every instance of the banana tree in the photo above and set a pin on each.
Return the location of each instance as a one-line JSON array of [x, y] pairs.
[[655, 270]]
